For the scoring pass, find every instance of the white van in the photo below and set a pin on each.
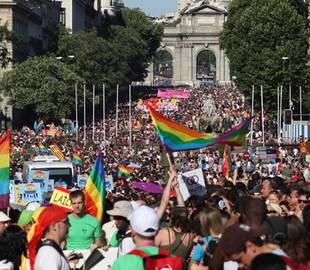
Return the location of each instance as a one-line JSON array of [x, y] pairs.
[[58, 169]]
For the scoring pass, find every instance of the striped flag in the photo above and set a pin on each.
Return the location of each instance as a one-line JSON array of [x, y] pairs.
[[122, 169], [95, 190], [4, 170], [226, 163], [43, 149], [55, 150], [77, 159]]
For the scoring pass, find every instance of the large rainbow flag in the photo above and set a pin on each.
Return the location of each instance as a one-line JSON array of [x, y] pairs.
[[179, 138], [4, 170], [95, 190]]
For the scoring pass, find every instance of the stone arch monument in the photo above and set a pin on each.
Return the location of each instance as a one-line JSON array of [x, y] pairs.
[[198, 31]]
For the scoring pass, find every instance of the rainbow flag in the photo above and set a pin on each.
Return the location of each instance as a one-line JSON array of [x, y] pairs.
[[77, 160], [43, 149], [95, 190], [38, 125], [179, 138], [4, 170], [122, 169]]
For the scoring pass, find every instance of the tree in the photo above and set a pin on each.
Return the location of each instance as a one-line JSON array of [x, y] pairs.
[[41, 83], [5, 37], [256, 37]]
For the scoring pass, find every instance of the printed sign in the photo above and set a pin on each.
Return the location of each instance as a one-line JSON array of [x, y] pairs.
[[109, 186], [192, 183], [50, 185], [30, 192], [82, 180], [41, 177], [60, 197]]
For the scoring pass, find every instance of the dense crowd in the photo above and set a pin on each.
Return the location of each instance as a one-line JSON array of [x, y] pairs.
[[257, 217]]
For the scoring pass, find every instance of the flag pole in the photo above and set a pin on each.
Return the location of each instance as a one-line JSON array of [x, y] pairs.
[[130, 121], [116, 118], [300, 103], [94, 89], [263, 118], [103, 113], [76, 115], [278, 113], [252, 114], [84, 114]]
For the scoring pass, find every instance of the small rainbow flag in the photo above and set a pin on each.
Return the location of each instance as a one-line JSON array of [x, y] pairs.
[[4, 170], [43, 149], [122, 169], [38, 125], [77, 160], [179, 138], [95, 190]]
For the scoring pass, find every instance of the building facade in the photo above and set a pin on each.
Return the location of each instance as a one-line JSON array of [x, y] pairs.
[[191, 51]]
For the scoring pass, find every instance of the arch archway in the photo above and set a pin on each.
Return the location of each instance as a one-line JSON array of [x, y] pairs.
[[163, 68], [206, 66]]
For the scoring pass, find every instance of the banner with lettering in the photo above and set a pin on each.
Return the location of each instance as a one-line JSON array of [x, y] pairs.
[[40, 177], [61, 197], [30, 192], [173, 93]]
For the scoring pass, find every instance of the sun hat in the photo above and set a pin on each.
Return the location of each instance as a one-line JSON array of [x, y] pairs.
[[121, 208], [144, 221], [25, 217], [4, 217]]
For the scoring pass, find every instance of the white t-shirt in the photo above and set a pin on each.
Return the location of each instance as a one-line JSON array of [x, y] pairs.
[[6, 265], [49, 258]]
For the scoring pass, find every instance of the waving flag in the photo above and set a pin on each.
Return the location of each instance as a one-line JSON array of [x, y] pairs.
[[95, 190], [43, 149], [56, 151], [4, 170], [77, 160], [38, 125], [179, 138], [122, 169], [226, 163]]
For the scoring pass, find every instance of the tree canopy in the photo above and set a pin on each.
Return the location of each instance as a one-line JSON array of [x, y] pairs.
[[43, 83], [266, 42]]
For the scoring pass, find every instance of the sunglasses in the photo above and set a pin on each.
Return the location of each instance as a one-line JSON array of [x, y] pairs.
[[303, 201]]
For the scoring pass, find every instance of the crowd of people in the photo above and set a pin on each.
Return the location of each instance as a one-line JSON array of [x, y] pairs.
[[257, 217]]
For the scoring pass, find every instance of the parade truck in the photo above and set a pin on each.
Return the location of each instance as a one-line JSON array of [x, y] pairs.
[[59, 170]]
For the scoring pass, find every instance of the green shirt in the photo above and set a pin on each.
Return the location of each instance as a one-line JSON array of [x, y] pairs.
[[133, 262], [82, 232]]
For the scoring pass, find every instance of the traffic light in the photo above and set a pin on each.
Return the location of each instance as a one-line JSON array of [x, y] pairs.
[[288, 115]]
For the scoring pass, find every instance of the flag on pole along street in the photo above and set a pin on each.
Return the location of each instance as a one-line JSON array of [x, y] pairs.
[[95, 191], [192, 183], [4, 170]]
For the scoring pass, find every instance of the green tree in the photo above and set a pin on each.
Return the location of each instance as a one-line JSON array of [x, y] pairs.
[[43, 83], [256, 37], [6, 36]]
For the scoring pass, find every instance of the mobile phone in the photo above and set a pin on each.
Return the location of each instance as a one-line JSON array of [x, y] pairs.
[[75, 256]]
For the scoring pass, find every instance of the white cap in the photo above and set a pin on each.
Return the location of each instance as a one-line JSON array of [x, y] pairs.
[[144, 221], [33, 206], [121, 208], [4, 217]]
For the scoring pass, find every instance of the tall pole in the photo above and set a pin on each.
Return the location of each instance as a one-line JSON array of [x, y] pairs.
[[84, 97], [263, 118], [94, 89], [130, 121], [278, 113], [300, 103], [252, 114], [103, 113], [76, 115], [290, 96], [116, 119]]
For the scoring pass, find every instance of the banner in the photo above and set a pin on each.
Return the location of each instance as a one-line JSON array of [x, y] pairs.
[[173, 93], [81, 180], [192, 183], [30, 192], [61, 197], [109, 186], [40, 177]]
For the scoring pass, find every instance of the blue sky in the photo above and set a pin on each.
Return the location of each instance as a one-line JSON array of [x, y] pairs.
[[153, 7]]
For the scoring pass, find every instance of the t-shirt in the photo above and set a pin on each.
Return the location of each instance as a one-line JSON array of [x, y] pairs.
[[49, 258], [82, 232], [133, 262], [6, 265], [199, 250]]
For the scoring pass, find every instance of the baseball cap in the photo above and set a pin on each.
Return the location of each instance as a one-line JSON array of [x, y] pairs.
[[144, 221], [4, 217], [121, 208], [234, 238]]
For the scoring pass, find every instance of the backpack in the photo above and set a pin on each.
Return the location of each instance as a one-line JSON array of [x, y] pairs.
[[293, 265], [161, 261]]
